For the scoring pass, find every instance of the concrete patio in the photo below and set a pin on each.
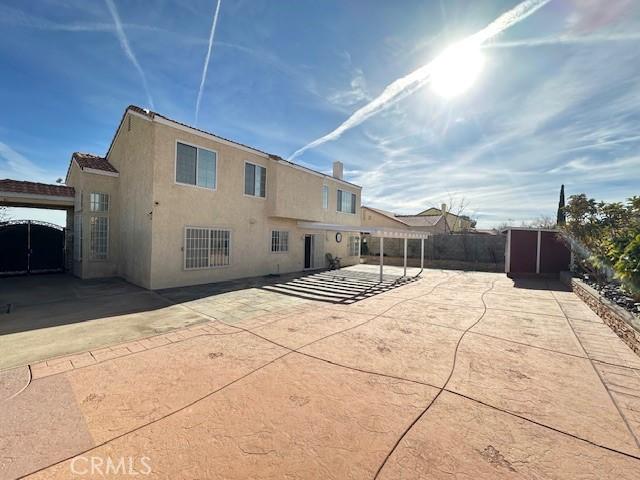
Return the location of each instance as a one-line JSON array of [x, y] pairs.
[[455, 375]]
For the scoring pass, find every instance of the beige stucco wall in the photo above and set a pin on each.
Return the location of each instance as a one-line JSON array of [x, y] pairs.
[[132, 155], [85, 183], [149, 210], [250, 219]]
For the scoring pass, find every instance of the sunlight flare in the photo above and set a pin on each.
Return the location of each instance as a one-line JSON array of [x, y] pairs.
[[456, 69]]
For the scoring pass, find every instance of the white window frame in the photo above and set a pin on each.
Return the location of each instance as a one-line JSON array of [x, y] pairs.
[[354, 245], [278, 245], [91, 202], [209, 230], [352, 195], [197, 147], [244, 179], [326, 191], [92, 254]]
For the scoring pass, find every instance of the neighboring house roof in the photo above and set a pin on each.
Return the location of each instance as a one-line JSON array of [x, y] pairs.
[[420, 220], [35, 188], [151, 115], [94, 162], [409, 220], [385, 213]]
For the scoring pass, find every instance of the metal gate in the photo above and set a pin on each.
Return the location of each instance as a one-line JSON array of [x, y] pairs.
[[31, 246]]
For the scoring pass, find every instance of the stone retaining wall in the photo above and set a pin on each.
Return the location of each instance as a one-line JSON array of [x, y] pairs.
[[623, 323]]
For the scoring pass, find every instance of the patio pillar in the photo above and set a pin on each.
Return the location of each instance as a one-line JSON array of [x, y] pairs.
[[421, 253], [405, 256], [381, 256]]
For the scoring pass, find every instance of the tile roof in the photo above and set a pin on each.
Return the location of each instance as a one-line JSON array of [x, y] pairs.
[[87, 160], [34, 188], [410, 220], [419, 220]]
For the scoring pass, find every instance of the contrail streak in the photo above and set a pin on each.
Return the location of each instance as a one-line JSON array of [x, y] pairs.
[[566, 40], [124, 43], [408, 84], [206, 60]]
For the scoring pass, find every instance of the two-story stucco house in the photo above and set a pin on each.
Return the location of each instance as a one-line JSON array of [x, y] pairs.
[[171, 205]]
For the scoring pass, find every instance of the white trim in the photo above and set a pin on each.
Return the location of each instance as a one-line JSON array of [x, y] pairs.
[[355, 205], [421, 253], [381, 258], [405, 257], [100, 172], [312, 255], [532, 229], [184, 249], [244, 178], [175, 166], [279, 252], [538, 247], [324, 185]]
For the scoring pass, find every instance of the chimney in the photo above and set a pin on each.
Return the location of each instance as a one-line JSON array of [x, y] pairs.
[[338, 170], [443, 207]]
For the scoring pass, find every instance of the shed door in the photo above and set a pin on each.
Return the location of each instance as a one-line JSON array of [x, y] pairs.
[[523, 251]]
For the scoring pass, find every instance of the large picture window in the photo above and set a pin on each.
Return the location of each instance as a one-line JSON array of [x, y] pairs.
[[354, 246], [255, 180], [99, 237], [196, 166], [279, 241], [346, 202], [206, 248]]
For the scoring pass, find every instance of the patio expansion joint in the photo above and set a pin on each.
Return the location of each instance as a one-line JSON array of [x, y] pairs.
[[604, 384], [487, 335], [290, 351], [444, 386], [124, 345]]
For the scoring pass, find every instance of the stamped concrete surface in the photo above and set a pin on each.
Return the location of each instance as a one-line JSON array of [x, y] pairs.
[[456, 375]]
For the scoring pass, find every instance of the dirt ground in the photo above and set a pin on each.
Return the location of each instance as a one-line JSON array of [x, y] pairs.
[[455, 375]]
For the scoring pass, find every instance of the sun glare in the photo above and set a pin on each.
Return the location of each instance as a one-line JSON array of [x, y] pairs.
[[455, 70]]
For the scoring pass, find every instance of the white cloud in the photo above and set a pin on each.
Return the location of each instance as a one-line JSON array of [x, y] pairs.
[[124, 43], [16, 166], [206, 60]]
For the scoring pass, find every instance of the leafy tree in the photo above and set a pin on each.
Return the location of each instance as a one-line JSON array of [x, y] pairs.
[[610, 233]]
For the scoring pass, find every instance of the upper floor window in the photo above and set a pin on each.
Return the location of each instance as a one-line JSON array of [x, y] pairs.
[[99, 202], [255, 180], [196, 166], [279, 241], [325, 196], [346, 202]]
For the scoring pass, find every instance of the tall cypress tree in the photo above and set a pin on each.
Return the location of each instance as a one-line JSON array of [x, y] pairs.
[[562, 218]]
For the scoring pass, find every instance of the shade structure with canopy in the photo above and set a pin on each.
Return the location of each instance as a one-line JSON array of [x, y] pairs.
[[379, 232]]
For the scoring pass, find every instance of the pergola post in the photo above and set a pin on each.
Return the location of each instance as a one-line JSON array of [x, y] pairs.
[[381, 256], [421, 253], [405, 256]]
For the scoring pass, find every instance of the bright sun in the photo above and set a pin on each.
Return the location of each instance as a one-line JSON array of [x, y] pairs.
[[455, 69]]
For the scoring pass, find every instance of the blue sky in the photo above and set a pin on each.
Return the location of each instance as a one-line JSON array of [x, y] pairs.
[[557, 100]]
